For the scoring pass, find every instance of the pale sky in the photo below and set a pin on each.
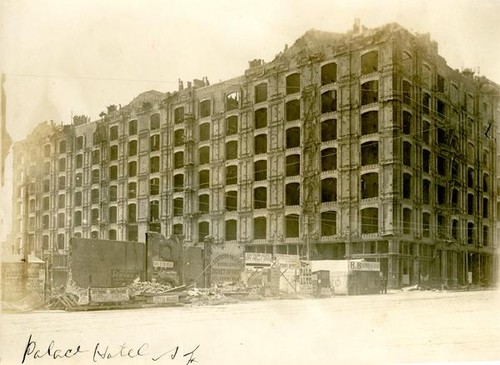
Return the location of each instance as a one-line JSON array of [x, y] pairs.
[[77, 57]]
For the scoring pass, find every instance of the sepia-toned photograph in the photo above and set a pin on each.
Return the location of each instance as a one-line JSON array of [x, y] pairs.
[[235, 182]]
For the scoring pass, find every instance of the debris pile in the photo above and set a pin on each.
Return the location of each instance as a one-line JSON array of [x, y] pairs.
[[147, 287]]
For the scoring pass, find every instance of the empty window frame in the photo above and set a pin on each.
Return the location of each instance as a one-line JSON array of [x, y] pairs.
[[232, 125], [204, 179], [78, 199], [328, 159], [407, 123], [426, 224], [132, 148], [113, 153], [292, 83], [260, 92], [231, 201], [231, 150], [470, 177], [426, 191], [259, 228], [260, 170], [79, 143], [260, 118], [292, 110], [178, 207], [77, 218], [486, 208], [292, 226], [204, 131], [154, 211], [426, 127], [426, 103], [232, 101], [369, 62], [205, 108], [292, 167], [204, 155], [94, 216], [369, 185], [94, 196], [369, 92], [231, 175], [154, 142], [369, 220], [329, 130], [407, 149], [426, 158], [455, 194], [292, 137], [231, 230], [112, 214], [132, 190], [328, 190], [260, 198], [113, 172], [470, 233], [154, 164], [369, 153], [132, 168], [328, 223], [131, 213], [179, 137], [62, 164], [178, 182], [204, 204], [132, 127], [407, 186], [178, 160], [328, 73], [154, 122], [292, 194], [260, 143], [441, 165], [470, 204], [369, 122], [454, 229], [113, 193], [329, 101], [154, 186], [96, 176], [179, 115], [407, 221], [406, 92], [203, 231], [441, 193]]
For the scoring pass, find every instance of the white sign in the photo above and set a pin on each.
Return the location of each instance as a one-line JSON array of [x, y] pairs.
[[258, 259], [163, 264], [364, 266]]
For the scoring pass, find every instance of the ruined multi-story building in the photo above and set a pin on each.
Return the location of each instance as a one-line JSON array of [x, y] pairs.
[[358, 145]]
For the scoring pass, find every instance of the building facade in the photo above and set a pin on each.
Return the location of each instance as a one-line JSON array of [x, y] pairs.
[[357, 145]]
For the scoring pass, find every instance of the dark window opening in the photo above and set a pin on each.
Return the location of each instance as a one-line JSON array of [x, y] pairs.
[[231, 150], [329, 159], [260, 142], [113, 194], [441, 108], [426, 132], [426, 103], [291, 226], [369, 220], [470, 233], [369, 153], [154, 143], [261, 118], [231, 233], [369, 62], [231, 175], [231, 201], [426, 191], [441, 194], [442, 226], [407, 153], [292, 111], [94, 196], [406, 186], [132, 233], [205, 108], [204, 179], [470, 178], [292, 165], [486, 235], [470, 204], [178, 207], [204, 132], [113, 154], [293, 137], [154, 164], [203, 231], [154, 122], [329, 130], [204, 203], [329, 101], [328, 223], [79, 143], [292, 84], [96, 176], [178, 182], [179, 137], [112, 234], [95, 216], [179, 115], [426, 158], [454, 198], [154, 186], [440, 84], [113, 214], [62, 164], [260, 93], [369, 185], [369, 122], [178, 159], [485, 183], [454, 229], [328, 190], [328, 73], [441, 165], [232, 101], [132, 148], [406, 92], [426, 224], [259, 228], [260, 198], [204, 155], [260, 170], [132, 190], [154, 211], [132, 168], [292, 194], [132, 213], [62, 146], [113, 172], [485, 208], [77, 217], [132, 127], [406, 221], [406, 123], [232, 125], [369, 92]]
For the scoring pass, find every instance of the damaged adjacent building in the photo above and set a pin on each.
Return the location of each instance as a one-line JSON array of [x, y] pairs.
[[357, 145]]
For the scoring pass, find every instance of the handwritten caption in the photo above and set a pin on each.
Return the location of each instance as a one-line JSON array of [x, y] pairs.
[[101, 352]]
